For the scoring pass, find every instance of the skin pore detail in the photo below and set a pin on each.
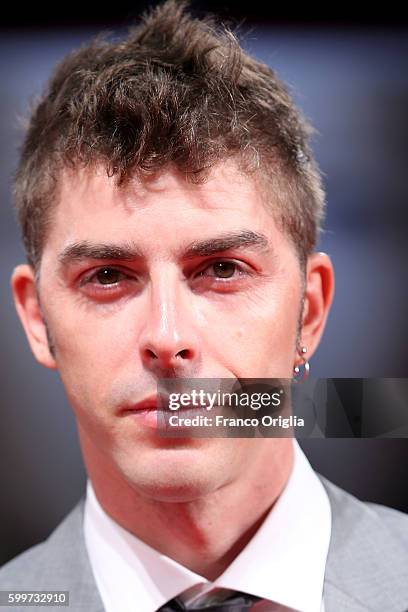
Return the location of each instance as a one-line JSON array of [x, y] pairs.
[[168, 277]]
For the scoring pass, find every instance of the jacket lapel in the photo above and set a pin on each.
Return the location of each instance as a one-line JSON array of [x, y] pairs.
[[367, 566], [68, 563]]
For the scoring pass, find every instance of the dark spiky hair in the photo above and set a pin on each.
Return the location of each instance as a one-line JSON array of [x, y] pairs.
[[177, 90]]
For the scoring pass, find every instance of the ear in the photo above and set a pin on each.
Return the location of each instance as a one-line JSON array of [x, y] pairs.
[[319, 293], [29, 311]]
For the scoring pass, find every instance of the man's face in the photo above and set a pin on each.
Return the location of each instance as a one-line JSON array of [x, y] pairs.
[[165, 278]]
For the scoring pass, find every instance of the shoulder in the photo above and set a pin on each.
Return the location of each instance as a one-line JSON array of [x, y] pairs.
[[368, 553], [396, 521], [348, 511], [35, 561], [59, 563]]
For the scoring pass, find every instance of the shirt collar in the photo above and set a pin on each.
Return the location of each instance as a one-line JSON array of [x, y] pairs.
[[283, 562]]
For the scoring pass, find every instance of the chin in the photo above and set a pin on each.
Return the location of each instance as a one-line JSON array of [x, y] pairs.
[[173, 493], [175, 475]]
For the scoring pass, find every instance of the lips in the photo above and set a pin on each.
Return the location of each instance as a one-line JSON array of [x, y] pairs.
[[153, 402], [159, 402], [146, 413]]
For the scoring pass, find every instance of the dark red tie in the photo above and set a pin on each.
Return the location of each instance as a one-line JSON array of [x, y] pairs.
[[236, 602]]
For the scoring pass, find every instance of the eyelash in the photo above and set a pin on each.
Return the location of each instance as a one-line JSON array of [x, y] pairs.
[[89, 278], [239, 268]]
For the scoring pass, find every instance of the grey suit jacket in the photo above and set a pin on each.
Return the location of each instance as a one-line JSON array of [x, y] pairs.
[[367, 566]]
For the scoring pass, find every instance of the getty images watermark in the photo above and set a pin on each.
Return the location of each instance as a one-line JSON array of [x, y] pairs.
[[226, 407], [316, 408]]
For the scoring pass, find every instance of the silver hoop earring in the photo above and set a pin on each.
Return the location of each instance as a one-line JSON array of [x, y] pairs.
[[301, 371]]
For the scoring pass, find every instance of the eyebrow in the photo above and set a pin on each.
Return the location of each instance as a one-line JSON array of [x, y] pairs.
[[80, 251], [226, 242]]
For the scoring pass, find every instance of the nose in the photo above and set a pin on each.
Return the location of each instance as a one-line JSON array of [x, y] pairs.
[[168, 343]]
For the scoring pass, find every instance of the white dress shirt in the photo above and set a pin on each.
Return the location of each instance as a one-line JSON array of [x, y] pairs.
[[283, 562]]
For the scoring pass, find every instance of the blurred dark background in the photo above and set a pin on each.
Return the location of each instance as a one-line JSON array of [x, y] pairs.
[[349, 74]]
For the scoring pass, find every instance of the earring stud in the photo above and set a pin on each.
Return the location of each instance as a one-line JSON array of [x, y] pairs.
[[298, 375]]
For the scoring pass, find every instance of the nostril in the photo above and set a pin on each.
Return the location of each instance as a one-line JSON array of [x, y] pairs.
[[184, 354]]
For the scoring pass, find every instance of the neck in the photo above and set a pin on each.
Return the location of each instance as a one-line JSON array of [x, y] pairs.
[[206, 533]]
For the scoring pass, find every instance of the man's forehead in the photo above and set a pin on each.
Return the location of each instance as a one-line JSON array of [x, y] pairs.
[[95, 219], [223, 185]]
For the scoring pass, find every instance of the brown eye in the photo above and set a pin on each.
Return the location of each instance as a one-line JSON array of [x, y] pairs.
[[224, 269], [108, 276]]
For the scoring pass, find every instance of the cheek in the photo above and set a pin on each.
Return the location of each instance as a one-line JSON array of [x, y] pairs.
[[255, 336], [89, 335], [90, 350]]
